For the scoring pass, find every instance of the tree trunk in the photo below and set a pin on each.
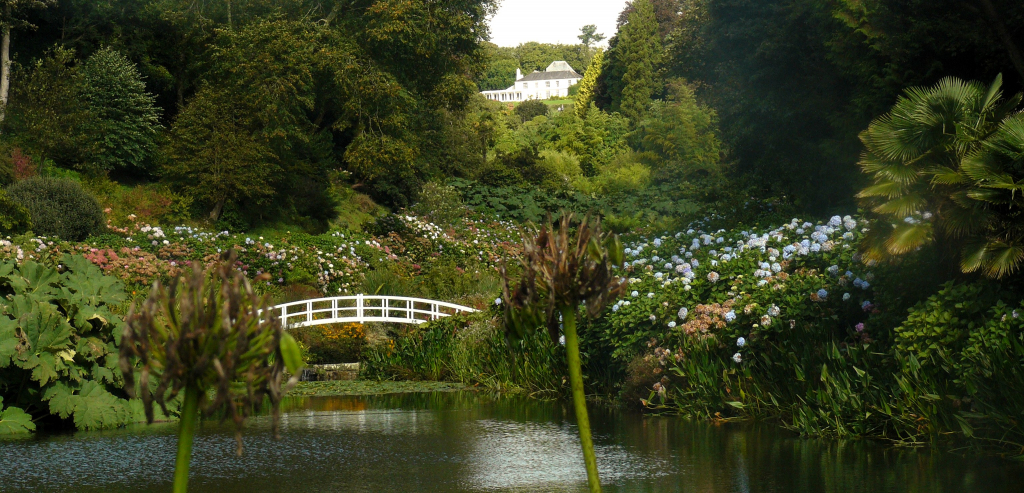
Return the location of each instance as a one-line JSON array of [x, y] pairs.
[[186, 432], [572, 356], [1011, 48], [5, 66], [230, 24], [217, 209]]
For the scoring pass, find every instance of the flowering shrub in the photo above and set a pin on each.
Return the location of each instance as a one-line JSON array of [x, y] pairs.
[[334, 343], [334, 264], [721, 285]]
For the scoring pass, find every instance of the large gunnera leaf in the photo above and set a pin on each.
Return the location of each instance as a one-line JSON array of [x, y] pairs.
[[87, 294], [46, 339], [92, 406], [14, 421], [58, 335]]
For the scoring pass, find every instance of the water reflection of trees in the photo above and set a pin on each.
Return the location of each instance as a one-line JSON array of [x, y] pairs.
[[495, 442]]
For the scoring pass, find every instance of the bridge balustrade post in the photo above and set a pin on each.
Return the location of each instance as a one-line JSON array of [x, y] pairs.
[[359, 308], [309, 312], [385, 305], [334, 308]]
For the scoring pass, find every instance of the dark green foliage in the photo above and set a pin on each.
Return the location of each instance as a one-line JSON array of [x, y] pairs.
[[47, 112], [966, 343], [528, 110], [124, 118], [58, 344], [795, 81], [59, 207], [387, 224], [14, 218]]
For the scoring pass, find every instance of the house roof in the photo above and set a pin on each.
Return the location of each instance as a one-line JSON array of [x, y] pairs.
[[560, 74]]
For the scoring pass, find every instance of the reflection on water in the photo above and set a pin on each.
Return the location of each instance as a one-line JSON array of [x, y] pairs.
[[454, 442]]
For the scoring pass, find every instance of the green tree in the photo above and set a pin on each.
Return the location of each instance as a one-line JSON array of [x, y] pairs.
[[946, 164], [587, 86], [589, 35], [682, 134], [48, 114], [562, 271], [124, 118], [528, 110], [214, 155], [639, 51]]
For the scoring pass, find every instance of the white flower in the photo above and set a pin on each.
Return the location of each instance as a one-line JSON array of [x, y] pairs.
[[683, 312], [497, 301], [671, 325], [652, 317], [846, 296], [774, 311], [738, 358], [741, 342], [730, 315], [635, 294]]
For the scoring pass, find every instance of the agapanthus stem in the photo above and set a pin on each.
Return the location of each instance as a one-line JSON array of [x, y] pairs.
[[572, 355], [186, 432]]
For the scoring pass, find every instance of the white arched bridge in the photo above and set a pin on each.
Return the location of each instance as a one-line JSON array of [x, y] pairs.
[[364, 308]]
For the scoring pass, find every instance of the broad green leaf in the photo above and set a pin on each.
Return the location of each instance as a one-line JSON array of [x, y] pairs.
[[61, 399], [96, 408], [291, 354], [14, 421], [35, 279], [9, 340]]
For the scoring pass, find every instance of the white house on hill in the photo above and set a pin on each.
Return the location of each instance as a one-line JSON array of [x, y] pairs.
[[554, 81]]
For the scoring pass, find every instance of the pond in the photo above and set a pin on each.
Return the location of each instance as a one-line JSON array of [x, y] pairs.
[[468, 442]]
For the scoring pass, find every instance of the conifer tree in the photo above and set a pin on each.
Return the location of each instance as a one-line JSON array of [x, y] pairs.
[[125, 117], [588, 85], [639, 52]]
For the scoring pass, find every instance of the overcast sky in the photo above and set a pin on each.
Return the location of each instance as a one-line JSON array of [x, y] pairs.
[[552, 21]]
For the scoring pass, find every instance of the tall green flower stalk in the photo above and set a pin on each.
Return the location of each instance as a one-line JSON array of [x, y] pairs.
[[565, 269], [209, 338]]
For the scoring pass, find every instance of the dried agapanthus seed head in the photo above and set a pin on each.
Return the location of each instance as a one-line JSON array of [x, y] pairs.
[[210, 331], [563, 267]]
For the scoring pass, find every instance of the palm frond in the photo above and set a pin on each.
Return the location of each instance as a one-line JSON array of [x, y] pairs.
[[902, 206], [908, 237]]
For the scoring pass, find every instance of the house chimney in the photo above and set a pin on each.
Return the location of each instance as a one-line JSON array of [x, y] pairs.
[[519, 74]]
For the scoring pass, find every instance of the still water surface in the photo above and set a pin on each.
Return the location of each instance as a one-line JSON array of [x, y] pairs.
[[468, 442]]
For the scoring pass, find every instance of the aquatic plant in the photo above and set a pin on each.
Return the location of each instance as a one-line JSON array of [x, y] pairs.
[[207, 331], [563, 270]]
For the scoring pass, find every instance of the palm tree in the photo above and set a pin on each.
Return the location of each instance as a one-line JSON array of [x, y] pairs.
[[948, 162], [209, 331], [563, 270]]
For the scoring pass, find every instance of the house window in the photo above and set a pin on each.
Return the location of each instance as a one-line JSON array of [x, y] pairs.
[[557, 83], [547, 84]]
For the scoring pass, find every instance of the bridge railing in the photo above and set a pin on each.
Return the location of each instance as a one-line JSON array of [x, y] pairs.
[[365, 308]]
